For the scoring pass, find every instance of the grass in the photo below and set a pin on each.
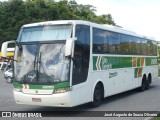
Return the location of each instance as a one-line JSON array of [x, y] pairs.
[[156, 118]]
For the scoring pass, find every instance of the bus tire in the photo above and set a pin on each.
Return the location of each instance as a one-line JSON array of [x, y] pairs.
[[149, 78], [147, 84], [144, 84], [97, 96]]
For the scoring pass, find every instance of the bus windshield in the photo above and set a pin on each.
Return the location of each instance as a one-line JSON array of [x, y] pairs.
[[45, 33], [42, 58], [42, 64]]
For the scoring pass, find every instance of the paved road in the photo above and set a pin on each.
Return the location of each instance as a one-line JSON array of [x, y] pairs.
[[128, 101]]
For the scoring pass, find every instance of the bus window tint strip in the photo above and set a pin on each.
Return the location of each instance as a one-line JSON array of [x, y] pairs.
[[107, 42]]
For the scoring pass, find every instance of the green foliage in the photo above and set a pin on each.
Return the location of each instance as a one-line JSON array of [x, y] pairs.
[[156, 118], [15, 13]]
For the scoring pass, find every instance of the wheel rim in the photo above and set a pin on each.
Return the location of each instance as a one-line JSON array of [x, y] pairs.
[[149, 79], [143, 86], [97, 95]]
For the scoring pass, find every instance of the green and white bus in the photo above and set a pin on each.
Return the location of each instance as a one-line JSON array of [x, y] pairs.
[[68, 63]]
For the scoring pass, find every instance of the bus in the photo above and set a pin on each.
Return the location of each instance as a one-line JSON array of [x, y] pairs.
[[67, 63], [158, 59]]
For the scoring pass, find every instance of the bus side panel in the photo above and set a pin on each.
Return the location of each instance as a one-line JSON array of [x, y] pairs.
[[81, 94], [153, 70], [120, 80], [115, 81]]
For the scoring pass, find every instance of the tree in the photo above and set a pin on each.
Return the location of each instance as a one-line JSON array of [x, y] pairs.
[[15, 13]]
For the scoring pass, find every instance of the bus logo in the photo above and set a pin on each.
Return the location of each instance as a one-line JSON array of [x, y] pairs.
[[106, 64], [103, 63]]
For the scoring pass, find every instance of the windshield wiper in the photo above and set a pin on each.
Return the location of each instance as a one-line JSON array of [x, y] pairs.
[[39, 61], [35, 62]]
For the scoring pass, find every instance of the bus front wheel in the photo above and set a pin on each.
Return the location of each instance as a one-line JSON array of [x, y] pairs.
[[97, 96]]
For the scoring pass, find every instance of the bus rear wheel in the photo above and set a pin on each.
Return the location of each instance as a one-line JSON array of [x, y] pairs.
[[97, 96], [145, 84], [150, 78]]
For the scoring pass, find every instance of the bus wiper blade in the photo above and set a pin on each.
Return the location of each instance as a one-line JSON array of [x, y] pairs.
[[35, 59], [39, 61], [36, 62]]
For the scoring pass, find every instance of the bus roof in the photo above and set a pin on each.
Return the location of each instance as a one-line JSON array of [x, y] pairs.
[[101, 26]]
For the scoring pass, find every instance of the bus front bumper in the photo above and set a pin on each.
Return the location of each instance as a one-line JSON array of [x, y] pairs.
[[56, 100]]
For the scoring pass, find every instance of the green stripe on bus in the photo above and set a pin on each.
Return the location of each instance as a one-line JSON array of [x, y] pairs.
[[94, 62], [138, 62], [16, 84], [136, 73], [108, 62], [31, 86], [111, 62], [151, 61]]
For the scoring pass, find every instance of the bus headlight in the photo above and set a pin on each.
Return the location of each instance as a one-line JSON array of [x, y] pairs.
[[62, 90]]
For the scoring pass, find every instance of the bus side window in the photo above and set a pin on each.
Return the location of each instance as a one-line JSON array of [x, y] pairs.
[[136, 45], [154, 48], [125, 45], [81, 54], [100, 41], [144, 46], [114, 43]]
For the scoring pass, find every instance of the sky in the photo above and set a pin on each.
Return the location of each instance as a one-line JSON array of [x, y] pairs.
[[140, 16]]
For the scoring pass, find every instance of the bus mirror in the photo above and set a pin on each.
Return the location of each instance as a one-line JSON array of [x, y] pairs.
[[69, 46], [5, 47]]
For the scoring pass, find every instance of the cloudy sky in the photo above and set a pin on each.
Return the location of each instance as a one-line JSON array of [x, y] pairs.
[[140, 16]]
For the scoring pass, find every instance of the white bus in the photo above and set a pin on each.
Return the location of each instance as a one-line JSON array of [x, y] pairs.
[[68, 63]]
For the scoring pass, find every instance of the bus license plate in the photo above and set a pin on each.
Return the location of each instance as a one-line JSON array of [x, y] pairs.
[[36, 99]]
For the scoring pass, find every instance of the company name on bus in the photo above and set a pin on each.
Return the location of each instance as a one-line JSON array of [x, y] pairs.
[[114, 74], [48, 87], [105, 63]]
